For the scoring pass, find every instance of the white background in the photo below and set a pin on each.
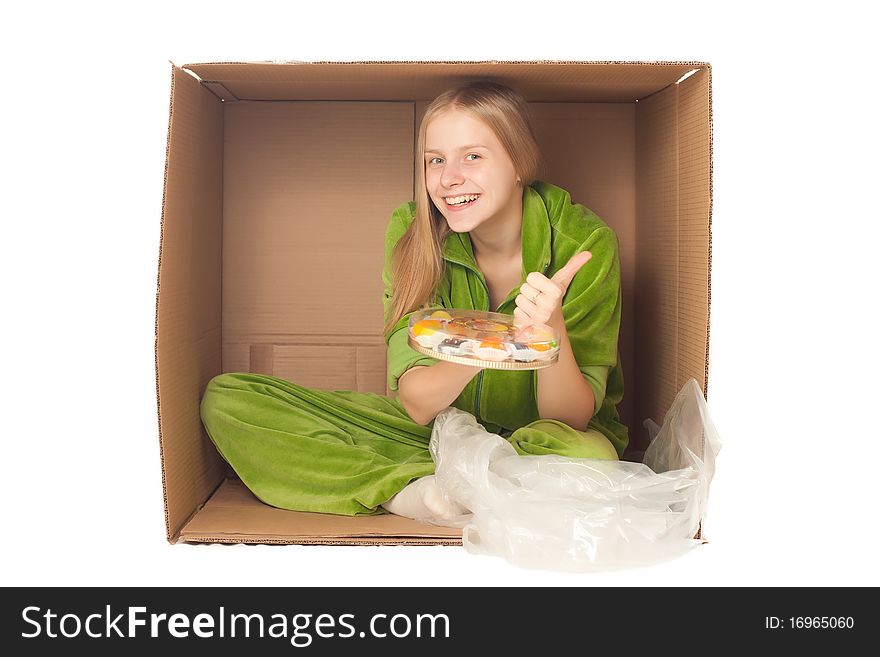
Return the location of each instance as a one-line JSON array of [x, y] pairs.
[[793, 357]]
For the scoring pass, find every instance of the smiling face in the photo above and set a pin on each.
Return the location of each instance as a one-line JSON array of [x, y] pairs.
[[468, 174]]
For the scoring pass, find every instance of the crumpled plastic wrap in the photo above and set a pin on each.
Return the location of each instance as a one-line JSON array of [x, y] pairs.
[[579, 514]]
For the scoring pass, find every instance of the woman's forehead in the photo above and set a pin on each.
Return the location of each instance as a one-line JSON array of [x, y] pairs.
[[457, 131]]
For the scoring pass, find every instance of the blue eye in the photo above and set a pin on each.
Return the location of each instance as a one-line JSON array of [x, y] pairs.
[[431, 161], [469, 154]]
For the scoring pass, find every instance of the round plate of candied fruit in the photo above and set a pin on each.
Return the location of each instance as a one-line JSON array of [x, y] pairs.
[[483, 339]]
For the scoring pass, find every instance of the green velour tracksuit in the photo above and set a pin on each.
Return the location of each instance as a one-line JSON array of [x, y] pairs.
[[347, 452]]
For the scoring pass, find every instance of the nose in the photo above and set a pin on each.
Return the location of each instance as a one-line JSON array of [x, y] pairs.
[[451, 175]]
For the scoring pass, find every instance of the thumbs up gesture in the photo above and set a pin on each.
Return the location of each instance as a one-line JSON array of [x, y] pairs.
[[540, 298]]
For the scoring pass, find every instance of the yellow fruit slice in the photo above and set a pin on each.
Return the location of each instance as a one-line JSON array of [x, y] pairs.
[[426, 327]]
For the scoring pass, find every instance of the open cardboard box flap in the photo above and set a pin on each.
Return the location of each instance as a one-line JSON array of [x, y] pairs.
[[275, 171]]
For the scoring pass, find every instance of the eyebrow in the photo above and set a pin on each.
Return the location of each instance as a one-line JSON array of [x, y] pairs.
[[463, 148]]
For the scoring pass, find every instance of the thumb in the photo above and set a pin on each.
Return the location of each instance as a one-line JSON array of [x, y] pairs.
[[565, 275]]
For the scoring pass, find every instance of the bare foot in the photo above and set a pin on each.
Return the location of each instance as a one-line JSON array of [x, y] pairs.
[[422, 499]]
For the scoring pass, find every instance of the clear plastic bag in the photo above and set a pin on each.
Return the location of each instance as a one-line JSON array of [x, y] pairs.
[[579, 514]]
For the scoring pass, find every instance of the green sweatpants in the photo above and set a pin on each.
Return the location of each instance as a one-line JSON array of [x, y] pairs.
[[337, 451]]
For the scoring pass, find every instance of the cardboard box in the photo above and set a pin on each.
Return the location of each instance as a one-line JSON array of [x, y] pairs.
[[280, 179]]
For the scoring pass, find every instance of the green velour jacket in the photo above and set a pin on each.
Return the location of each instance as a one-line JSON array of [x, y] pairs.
[[553, 230]]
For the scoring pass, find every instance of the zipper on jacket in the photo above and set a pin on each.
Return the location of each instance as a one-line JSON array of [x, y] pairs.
[[479, 392], [482, 279]]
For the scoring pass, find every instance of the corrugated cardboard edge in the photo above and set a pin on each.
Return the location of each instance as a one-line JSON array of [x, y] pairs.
[[475, 61], [353, 541], [168, 531], [711, 203], [699, 534]]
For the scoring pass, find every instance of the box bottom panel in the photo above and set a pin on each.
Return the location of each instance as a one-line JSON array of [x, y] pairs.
[[234, 515]]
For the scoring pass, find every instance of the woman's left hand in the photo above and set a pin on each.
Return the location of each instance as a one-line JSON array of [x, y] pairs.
[[540, 298]]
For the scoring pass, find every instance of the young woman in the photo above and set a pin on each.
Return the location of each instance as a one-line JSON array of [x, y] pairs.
[[483, 234]]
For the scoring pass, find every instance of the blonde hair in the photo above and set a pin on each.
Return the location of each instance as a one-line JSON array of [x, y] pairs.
[[417, 261]]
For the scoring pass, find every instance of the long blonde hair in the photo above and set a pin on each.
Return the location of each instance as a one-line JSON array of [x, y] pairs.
[[417, 261]]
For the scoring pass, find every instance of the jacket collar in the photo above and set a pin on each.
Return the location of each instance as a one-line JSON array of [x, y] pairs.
[[535, 238]]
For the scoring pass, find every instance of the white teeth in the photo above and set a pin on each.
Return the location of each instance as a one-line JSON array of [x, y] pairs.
[[458, 200]]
